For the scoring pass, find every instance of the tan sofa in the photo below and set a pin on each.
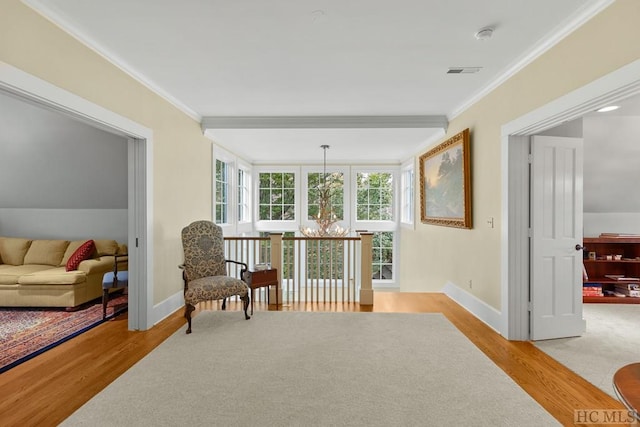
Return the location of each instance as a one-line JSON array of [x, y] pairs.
[[33, 273]]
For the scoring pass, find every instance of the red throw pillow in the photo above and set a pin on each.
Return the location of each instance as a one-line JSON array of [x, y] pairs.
[[82, 253]]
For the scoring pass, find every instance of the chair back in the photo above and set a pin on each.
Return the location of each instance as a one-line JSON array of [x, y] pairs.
[[203, 246]]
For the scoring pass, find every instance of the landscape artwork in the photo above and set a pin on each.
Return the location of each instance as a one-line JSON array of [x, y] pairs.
[[445, 184]]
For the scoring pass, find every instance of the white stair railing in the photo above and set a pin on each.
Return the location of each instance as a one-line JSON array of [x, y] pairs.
[[310, 270]]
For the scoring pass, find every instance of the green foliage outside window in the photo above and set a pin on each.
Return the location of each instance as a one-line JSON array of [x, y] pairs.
[[382, 261], [374, 196], [335, 181], [222, 192], [276, 196], [325, 259]]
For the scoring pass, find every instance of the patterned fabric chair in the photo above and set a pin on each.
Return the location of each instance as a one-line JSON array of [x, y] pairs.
[[205, 269]]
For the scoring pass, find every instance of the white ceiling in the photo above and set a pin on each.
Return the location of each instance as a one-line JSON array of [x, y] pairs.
[[319, 58]]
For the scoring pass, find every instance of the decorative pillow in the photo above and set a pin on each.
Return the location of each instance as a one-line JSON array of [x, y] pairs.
[[83, 252], [46, 252]]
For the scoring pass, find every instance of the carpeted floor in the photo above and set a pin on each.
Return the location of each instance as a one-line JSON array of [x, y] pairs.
[[314, 369], [612, 340], [27, 332]]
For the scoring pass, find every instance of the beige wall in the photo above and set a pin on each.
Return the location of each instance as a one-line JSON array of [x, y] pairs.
[[181, 155], [431, 256]]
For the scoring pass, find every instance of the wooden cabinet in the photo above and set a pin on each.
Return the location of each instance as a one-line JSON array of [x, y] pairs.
[[608, 262]]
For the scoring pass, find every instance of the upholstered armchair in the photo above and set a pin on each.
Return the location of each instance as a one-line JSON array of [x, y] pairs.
[[205, 269]]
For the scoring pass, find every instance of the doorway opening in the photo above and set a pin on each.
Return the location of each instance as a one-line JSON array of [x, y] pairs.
[[515, 254], [36, 91]]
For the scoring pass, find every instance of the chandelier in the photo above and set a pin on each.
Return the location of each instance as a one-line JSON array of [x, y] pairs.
[[325, 220]]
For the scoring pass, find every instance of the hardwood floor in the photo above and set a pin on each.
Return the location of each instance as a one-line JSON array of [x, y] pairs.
[[47, 389]]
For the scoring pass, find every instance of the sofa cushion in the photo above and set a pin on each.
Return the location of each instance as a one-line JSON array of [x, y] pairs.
[[13, 250], [106, 247], [53, 276], [10, 274], [46, 252], [83, 252]]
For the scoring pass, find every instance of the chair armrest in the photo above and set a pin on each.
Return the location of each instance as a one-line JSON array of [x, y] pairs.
[[244, 265], [117, 259], [244, 268]]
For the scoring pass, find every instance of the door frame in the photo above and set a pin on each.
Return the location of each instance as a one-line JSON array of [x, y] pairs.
[[515, 257], [140, 179]]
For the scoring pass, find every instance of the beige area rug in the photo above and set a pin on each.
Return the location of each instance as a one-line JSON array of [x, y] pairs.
[[611, 341], [314, 369]]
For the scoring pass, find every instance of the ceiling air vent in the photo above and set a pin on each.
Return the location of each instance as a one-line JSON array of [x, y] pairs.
[[463, 70]]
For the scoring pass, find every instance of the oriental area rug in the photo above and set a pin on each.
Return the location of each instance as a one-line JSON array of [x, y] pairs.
[[28, 332], [284, 368]]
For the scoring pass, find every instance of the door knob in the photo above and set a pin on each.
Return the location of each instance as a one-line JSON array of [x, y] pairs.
[[579, 247]]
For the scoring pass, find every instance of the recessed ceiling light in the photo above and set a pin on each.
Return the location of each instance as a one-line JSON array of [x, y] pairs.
[[608, 108]]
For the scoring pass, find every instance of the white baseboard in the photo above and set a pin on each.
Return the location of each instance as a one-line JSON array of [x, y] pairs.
[[167, 307], [475, 306]]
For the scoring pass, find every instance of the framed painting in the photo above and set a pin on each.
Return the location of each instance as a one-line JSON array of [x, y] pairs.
[[445, 183]]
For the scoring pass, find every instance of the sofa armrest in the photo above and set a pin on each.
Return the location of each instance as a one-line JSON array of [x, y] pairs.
[[97, 265]]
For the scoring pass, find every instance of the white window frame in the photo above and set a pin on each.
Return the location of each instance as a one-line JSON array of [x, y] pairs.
[[232, 226], [245, 226], [408, 194], [304, 200], [276, 226], [381, 225], [228, 201], [375, 225]]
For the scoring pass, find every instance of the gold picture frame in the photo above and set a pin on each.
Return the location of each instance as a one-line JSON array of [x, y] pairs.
[[445, 183]]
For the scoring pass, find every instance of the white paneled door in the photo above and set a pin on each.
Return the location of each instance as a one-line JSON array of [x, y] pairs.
[[556, 237]]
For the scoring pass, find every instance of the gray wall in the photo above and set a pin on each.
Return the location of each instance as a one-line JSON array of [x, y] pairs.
[[611, 171], [611, 174], [59, 177]]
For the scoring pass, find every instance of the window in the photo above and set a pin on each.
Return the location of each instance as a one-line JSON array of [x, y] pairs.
[[335, 181], [382, 264], [408, 194], [222, 192], [232, 202], [376, 211], [243, 196], [277, 200], [374, 196]]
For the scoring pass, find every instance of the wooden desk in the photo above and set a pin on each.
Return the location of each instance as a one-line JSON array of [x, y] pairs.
[[260, 279], [626, 383]]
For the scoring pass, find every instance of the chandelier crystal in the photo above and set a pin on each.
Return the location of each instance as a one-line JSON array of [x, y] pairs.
[[326, 219]]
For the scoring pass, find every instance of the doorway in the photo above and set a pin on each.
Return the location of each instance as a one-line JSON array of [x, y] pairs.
[[139, 157], [515, 254]]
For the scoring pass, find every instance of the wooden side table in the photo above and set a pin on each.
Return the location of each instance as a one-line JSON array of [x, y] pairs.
[[626, 384], [261, 279]]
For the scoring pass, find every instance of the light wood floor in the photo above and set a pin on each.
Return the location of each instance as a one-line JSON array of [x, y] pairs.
[[47, 389]]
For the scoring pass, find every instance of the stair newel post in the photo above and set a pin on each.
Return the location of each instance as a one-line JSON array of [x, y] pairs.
[[276, 262], [366, 257]]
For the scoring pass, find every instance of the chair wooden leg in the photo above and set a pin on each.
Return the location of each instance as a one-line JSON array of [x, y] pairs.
[[105, 299], [245, 303], [188, 308]]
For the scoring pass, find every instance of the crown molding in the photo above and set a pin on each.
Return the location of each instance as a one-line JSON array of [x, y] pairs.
[[47, 12], [324, 122], [563, 30]]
